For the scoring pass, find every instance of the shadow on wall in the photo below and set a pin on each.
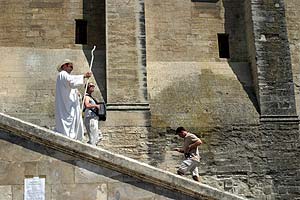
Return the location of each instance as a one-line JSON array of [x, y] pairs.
[[243, 74], [94, 14], [236, 28]]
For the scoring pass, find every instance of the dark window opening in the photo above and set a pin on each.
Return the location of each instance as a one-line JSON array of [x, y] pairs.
[[81, 31], [223, 41]]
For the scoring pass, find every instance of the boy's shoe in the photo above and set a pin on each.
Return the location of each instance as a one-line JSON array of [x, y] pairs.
[[196, 178]]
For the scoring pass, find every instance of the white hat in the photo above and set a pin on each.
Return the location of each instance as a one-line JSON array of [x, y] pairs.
[[64, 62]]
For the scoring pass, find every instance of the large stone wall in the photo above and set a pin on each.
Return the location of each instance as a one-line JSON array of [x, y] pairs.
[[127, 94], [123, 78], [200, 94], [239, 154], [292, 8], [67, 178], [258, 161], [28, 61], [273, 61], [35, 37], [251, 44], [188, 83], [74, 170], [126, 75], [28, 78], [48, 25], [183, 30]]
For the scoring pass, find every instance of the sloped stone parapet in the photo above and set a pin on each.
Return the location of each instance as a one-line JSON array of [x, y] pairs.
[[104, 158]]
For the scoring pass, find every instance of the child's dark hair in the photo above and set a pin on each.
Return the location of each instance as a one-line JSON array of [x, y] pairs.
[[90, 84], [179, 129]]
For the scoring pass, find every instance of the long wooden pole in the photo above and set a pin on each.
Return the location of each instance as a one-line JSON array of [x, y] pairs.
[[91, 65]]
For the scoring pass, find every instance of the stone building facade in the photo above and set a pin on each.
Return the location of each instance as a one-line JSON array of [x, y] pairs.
[[161, 64]]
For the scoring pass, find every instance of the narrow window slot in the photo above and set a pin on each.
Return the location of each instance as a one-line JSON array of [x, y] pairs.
[[223, 41], [81, 31]]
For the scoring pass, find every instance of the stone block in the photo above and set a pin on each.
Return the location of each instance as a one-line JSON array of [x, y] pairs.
[[18, 192], [57, 172], [89, 173], [11, 173], [126, 192], [79, 191], [128, 118], [6, 192]]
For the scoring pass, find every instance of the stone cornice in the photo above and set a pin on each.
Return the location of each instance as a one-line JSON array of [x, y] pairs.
[[279, 118], [128, 107]]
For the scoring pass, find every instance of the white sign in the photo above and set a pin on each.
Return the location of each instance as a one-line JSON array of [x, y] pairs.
[[34, 188]]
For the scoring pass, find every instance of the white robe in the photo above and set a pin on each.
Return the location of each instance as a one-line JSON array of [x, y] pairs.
[[67, 105]]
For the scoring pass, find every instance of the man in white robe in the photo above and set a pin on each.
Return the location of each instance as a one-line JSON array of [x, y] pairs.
[[68, 116]]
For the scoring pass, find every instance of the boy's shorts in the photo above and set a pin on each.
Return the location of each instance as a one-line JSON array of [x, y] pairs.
[[188, 165]]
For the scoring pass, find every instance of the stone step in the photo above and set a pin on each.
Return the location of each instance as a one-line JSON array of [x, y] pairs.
[[101, 157]]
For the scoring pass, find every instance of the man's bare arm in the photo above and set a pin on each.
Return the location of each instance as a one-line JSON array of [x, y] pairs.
[[195, 144], [179, 150]]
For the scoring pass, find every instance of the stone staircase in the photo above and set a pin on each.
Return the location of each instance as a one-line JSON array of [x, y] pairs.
[[110, 172]]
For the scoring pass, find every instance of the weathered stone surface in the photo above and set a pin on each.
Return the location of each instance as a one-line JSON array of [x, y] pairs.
[[182, 30], [274, 79], [200, 94], [35, 37], [57, 172], [6, 193], [11, 173], [168, 50], [32, 76], [91, 173], [292, 10], [79, 191], [60, 173], [126, 72], [257, 161], [18, 192]]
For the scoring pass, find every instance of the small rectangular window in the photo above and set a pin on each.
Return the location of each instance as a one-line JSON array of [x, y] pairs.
[[223, 41], [81, 31]]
